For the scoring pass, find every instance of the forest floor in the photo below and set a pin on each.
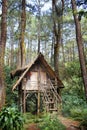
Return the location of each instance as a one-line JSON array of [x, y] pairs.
[[69, 124], [33, 127]]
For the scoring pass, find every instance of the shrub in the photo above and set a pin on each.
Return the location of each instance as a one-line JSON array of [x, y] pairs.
[[12, 97], [11, 119], [80, 114], [76, 113]]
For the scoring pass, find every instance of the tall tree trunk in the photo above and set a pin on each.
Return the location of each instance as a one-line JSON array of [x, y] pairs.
[[80, 46], [52, 50], [22, 34], [12, 46], [63, 54], [73, 52], [57, 21], [56, 48], [39, 12], [27, 54], [2, 51]]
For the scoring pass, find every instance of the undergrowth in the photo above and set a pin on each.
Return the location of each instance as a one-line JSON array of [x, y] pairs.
[[50, 122], [44, 121], [11, 119]]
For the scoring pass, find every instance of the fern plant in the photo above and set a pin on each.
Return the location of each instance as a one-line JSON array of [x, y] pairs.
[[11, 119]]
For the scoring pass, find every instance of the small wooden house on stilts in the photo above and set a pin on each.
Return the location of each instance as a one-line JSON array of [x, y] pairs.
[[38, 77]]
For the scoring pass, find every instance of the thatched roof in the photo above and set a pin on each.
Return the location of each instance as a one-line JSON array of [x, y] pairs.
[[22, 71]]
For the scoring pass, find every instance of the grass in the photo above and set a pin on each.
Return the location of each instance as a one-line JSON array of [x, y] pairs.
[[44, 121]]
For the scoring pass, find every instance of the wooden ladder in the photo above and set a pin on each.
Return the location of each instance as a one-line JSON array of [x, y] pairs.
[[50, 97]]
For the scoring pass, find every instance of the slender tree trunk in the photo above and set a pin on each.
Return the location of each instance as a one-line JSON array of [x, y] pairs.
[[52, 50], [27, 58], [22, 34], [39, 12], [57, 21], [12, 46], [80, 46], [2, 51], [45, 44], [18, 57], [56, 49], [62, 46], [73, 51]]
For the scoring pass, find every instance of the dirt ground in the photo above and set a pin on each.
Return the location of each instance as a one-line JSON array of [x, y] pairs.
[[70, 124], [33, 127]]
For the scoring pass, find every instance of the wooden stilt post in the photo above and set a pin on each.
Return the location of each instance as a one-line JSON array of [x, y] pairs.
[[38, 111], [24, 101], [20, 97], [38, 102], [24, 97]]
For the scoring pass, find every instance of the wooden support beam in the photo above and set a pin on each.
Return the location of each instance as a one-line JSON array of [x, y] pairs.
[[38, 102], [39, 80], [24, 97], [20, 97]]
